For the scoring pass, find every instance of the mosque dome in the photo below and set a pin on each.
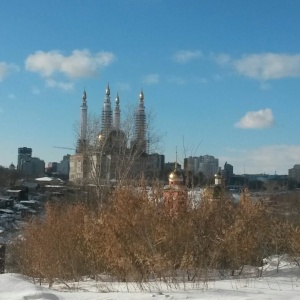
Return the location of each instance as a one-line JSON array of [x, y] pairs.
[[12, 167]]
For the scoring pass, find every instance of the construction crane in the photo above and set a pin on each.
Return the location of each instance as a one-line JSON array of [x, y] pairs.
[[67, 148]]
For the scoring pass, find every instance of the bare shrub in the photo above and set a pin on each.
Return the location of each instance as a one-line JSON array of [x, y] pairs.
[[133, 237], [54, 247]]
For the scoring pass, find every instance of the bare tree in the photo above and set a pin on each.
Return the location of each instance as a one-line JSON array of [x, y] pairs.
[[115, 155]]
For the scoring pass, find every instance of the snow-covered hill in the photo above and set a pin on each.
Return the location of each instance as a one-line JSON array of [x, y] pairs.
[[282, 285]]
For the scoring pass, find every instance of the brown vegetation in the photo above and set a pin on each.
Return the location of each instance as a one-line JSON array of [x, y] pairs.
[[133, 238]]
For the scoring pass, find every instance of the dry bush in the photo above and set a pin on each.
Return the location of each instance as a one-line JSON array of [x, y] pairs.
[[130, 234], [134, 238], [247, 238], [54, 247]]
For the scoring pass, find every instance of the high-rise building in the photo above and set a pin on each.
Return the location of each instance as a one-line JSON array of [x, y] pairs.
[[227, 173], [208, 165], [191, 164], [23, 153], [294, 173], [63, 168], [32, 167]]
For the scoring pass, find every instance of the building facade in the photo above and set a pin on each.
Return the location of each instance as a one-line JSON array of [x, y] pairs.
[[32, 167], [23, 153], [294, 173], [113, 156]]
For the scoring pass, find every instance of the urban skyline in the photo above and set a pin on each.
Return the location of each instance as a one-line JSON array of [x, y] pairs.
[[221, 77]]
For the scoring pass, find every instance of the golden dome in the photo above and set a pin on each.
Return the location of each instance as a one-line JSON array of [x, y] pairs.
[[175, 175]]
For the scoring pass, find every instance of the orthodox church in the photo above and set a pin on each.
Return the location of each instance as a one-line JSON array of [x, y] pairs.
[[175, 194]]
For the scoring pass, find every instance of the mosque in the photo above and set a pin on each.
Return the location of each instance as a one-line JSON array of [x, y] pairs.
[[114, 153]]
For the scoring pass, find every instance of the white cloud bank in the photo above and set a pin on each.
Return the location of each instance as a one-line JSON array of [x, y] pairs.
[[256, 119], [6, 69], [269, 66], [263, 66], [185, 56], [81, 63], [266, 159]]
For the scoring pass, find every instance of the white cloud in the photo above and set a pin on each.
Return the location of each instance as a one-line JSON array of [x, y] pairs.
[[267, 159], [6, 69], [256, 119], [151, 79], [185, 56], [81, 63], [268, 66], [66, 86]]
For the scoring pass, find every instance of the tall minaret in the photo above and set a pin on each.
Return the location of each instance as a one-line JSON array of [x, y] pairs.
[[106, 114], [117, 114], [83, 121], [140, 125], [83, 125]]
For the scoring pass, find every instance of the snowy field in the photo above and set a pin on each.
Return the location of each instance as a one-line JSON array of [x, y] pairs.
[[282, 285]]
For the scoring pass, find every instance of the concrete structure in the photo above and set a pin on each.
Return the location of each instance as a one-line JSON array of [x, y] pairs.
[[227, 172], [52, 167], [117, 114], [191, 164], [81, 143], [32, 167], [140, 140], [294, 173], [78, 168], [106, 119], [208, 165], [112, 155], [23, 153], [63, 168]]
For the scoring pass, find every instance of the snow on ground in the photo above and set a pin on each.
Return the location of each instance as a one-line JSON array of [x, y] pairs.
[[282, 285]]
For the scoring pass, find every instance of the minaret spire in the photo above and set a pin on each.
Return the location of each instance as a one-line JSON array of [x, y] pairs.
[[83, 116], [117, 113], [140, 124], [106, 113], [83, 123]]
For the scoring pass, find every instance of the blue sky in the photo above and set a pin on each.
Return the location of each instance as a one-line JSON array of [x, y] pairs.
[[221, 77]]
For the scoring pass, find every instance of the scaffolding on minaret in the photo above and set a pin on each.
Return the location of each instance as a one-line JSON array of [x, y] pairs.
[[140, 125], [106, 114], [83, 124]]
